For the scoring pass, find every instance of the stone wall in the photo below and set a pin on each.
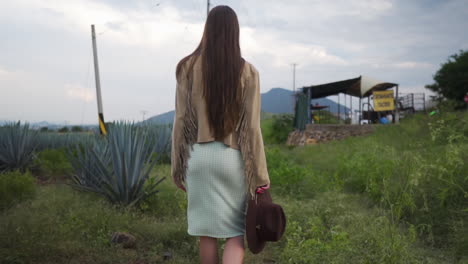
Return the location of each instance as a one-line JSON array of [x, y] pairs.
[[319, 133]]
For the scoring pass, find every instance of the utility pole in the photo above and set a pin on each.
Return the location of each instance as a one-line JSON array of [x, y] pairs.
[[207, 8], [102, 127], [143, 112], [294, 87], [294, 76]]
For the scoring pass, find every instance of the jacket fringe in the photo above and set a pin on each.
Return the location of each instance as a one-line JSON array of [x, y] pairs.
[[190, 128], [245, 144]]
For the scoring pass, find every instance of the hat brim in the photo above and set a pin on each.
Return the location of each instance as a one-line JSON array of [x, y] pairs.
[[254, 243]]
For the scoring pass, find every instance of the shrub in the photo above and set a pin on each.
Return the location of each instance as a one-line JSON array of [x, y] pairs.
[[14, 187], [450, 105], [52, 163], [77, 129], [170, 201], [279, 128], [64, 129]]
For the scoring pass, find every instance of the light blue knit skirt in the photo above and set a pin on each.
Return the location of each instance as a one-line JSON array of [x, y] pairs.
[[215, 191]]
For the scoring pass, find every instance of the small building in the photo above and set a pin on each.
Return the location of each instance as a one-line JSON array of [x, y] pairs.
[[361, 87]]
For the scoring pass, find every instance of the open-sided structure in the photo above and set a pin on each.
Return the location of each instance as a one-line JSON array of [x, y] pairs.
[[361, 87]]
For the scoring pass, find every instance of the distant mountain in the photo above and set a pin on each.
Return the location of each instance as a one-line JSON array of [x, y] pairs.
[[164, 118], [51, 126], [276, 101]]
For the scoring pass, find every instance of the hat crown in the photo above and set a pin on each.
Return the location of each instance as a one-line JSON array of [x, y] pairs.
[[272, 222]]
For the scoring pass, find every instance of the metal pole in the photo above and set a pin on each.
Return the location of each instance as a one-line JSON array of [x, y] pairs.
[[397, 113], [339, 106], [294, 76], [309, 116], [368, 110], [360, 112], [424, 102], [102, 127], [344, 106], [207, 7]]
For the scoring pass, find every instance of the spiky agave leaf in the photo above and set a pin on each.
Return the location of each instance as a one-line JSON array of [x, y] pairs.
[[82, 160], [122, 168], [17, 146]]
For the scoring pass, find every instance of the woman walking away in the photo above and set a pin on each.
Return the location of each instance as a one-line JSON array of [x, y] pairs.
[[218, 155]]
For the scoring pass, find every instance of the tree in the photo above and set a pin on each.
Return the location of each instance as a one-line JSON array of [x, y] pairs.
[[63, 129], [76, 129], [451, 80]]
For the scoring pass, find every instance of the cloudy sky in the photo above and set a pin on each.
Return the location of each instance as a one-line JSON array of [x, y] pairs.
[[46, 70]]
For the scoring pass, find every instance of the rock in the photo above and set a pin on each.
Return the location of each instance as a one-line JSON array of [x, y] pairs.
[[167, 255], [127, 240], [315, 134]]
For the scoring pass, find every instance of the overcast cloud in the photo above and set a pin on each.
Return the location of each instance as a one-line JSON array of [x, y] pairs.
[[46, 70]]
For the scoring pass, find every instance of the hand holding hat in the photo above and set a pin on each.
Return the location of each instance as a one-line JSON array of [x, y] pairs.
[[261, 189]]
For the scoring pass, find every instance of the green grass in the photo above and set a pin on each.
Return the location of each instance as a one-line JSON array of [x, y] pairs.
[[63, 224], [15, 187], [416, 170], [396, 196]]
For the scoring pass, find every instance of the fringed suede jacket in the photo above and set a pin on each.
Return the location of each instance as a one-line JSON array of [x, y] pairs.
[[191, 125]]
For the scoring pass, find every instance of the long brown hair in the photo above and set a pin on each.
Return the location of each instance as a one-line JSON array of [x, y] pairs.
[[222, 66]]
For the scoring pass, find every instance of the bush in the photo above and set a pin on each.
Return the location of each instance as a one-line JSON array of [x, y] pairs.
[[170, 201], [14, 187], [449, 105], [77, 129], [52, 164], [279, 128], [63, 130]]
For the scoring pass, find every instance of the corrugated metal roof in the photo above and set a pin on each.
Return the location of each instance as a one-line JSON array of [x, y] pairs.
[[361, 86]]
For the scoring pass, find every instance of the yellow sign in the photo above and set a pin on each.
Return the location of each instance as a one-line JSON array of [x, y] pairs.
[[383, 100]]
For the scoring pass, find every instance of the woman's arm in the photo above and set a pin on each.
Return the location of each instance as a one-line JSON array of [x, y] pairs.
[[257, 138], [250, 134]]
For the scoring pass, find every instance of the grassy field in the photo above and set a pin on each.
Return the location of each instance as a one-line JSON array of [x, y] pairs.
[[396, 196]]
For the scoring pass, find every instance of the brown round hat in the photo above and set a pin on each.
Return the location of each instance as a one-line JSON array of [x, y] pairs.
[[265, 221]]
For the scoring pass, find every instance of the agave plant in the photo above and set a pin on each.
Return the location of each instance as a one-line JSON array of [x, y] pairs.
[[118, 165], [160, 137], [17, 146], [82, 160], [54, 140]]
